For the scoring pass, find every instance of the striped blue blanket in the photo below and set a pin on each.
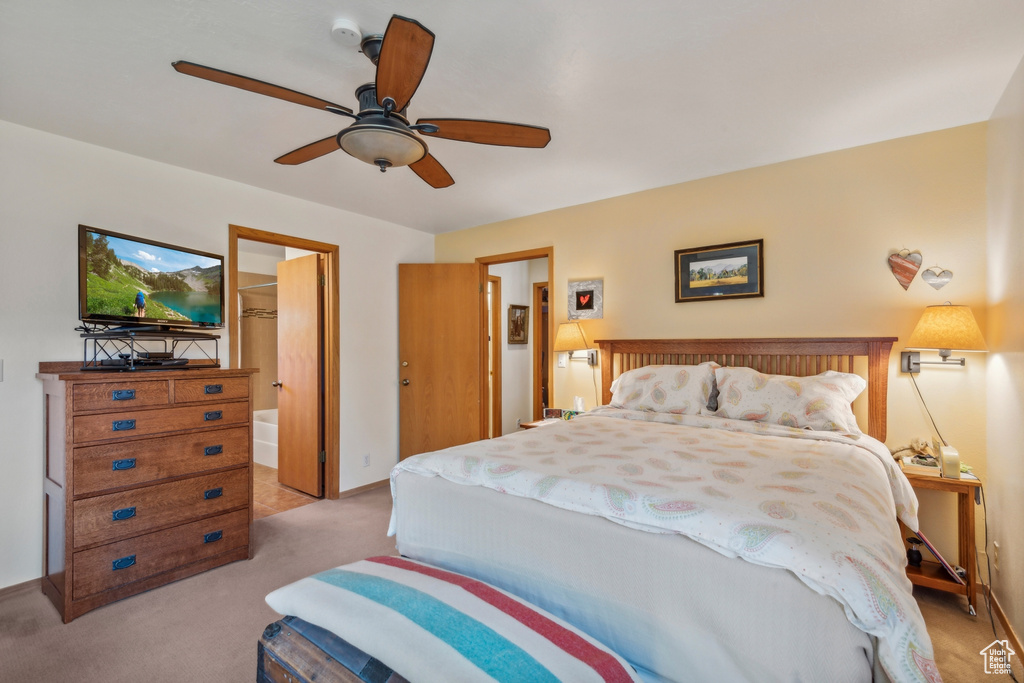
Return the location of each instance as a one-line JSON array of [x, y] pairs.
[[429, 624]]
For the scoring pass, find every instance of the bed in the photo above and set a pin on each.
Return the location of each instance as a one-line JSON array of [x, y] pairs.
[[703, 529]]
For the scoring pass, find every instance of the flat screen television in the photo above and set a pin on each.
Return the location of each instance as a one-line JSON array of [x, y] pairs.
[[143, 284]]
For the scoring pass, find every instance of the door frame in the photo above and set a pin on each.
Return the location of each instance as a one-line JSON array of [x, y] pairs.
[[331, 335], [538, 355], [495, 426], [529, 255]]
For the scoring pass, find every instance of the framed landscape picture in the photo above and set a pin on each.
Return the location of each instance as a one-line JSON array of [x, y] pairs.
[[720, 271], [518, 324]]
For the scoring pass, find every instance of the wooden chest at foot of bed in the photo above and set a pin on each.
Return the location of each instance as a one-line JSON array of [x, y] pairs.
[[294, 651]]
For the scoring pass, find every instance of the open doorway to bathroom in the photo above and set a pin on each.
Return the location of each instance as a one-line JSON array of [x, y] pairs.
[[259, 307]]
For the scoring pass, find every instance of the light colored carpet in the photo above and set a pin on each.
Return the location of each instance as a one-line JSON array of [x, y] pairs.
[[205, 628]]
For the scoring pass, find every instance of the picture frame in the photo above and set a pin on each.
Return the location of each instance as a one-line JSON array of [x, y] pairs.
[[720, 271], [518, 324], [586, 299]]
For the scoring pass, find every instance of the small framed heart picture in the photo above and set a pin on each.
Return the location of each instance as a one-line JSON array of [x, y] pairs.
[[586, 299]]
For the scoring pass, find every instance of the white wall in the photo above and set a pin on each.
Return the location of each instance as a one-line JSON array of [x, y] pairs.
[[1005, 335], [516, 359], [50, 184]]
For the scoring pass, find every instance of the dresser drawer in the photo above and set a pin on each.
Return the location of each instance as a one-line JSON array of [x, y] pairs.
[[129, 463], [131, 424], [116, 564], [225, 389], [124, 395], [121, 515]]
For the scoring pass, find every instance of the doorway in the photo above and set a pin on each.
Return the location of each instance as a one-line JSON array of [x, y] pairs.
[[521, 371], [328, 387]]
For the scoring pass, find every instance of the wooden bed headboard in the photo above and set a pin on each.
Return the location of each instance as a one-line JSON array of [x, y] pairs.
[[799, 357]]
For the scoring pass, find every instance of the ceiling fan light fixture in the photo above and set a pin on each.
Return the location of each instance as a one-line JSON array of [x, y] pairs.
[[376, 141]]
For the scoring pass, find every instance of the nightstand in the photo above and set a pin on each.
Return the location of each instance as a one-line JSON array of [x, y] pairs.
[[932, 574], [539, 423]]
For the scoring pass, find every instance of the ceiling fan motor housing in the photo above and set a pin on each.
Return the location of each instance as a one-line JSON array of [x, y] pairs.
[[384, 141]]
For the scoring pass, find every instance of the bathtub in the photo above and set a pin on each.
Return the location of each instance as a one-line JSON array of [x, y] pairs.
[[264, 437]]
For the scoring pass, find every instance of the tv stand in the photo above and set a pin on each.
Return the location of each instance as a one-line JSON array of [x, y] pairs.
[[150, 347]]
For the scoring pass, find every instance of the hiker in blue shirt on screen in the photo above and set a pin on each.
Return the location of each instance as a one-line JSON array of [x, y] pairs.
[[140, 305]]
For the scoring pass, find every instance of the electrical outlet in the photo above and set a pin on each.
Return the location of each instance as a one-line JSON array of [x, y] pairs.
[[519, 422], [995, 555], [366, 460]]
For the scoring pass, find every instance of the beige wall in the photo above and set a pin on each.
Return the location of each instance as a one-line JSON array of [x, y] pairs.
[[829, 223], [1006, 342]]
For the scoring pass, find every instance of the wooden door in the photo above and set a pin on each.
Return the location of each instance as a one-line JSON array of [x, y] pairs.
[[442, 311], [300, 397]]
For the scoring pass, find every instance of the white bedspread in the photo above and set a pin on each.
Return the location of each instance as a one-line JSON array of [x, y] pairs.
[[822, 505]]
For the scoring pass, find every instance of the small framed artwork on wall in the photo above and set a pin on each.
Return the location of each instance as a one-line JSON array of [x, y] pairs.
[[720, 271], [518, 324], [586, 299]]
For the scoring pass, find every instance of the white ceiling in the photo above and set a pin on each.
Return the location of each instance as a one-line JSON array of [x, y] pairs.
[[637, 95]]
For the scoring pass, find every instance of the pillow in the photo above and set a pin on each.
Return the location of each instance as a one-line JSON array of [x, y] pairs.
[[820, 402], [427, 623], [682, 389]]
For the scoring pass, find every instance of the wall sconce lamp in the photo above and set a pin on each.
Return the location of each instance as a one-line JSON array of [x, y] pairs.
[[944, 327], [570, 338]]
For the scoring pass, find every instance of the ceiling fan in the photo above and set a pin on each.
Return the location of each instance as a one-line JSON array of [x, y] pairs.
[[381, 134]]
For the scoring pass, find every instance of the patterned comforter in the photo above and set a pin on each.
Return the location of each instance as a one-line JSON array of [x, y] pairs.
[[822, 505]]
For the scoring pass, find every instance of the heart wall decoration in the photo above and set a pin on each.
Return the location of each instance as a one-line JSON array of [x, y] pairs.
[[586, 299], [904, 265], [937, 277]]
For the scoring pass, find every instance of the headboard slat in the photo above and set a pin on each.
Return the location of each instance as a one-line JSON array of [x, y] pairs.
[[794, 356]]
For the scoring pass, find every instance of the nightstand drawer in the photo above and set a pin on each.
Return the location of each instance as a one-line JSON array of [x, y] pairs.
[[220, 389], [125, 395], [121, 515], [131, 424], [114, 565], [98, 468]]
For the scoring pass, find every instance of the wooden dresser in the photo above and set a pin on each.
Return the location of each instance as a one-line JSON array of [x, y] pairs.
[[148, 479]]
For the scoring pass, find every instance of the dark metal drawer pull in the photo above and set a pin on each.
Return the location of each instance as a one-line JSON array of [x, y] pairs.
[[212, 415], [126, 464], [123, 425], [123, 513], [213, 450], [123, 394], [123, 562], [213, 389], [213, 493], [213, 536]]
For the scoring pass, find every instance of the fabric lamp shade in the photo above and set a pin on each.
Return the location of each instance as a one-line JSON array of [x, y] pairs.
[[947, 327], [570, 338]]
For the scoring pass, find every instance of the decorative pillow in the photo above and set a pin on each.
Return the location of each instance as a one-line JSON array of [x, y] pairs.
[[820, 402], [427, 623], [682, 389]]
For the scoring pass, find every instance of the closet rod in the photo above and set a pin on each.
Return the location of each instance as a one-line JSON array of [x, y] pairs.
[[267, 284]]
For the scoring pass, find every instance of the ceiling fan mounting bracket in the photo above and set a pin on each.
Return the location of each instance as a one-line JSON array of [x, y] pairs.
[[370, 46]]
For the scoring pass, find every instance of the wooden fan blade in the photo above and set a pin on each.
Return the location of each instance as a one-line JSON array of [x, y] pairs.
[[489, 132], [253, 85], [404, 55], [309, 152], [432, 172]]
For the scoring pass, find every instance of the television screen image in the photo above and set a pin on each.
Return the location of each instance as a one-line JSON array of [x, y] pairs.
[[133, 281]]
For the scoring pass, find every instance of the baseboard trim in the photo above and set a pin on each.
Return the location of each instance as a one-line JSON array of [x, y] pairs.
[[24, 586], [1010, 634], [363, 489]]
